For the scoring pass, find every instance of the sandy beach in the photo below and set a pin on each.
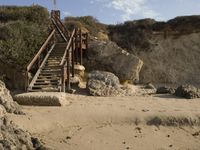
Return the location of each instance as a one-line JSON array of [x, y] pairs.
[[116, 123]]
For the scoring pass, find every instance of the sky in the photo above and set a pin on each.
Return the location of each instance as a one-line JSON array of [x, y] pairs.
[[118, 11]]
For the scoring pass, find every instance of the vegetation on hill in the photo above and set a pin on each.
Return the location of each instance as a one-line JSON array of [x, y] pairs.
[[22, 32], [132, 35], [87, 23], [136, 36]]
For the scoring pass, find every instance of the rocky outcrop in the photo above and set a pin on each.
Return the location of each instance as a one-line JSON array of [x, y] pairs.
[[13, 138], [187, 91], [102, 83], [7, 102], [108, 56]]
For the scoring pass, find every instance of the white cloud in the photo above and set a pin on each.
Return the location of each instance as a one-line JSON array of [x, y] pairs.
[[67, 13], [129, 8]]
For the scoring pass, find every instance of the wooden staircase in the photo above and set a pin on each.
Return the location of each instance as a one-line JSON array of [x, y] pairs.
[[54, 62]]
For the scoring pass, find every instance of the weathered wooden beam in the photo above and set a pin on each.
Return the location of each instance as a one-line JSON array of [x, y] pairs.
[[72, 53], [87, 41], [80, 47], [64, 70], [76, 46], [68, 71]]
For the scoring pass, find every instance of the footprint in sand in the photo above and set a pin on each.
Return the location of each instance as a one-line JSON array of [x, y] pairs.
[[131, 109]]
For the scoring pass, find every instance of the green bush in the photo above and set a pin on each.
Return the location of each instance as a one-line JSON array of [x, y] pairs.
[[35, 14], [21, 40], [22, 32], [88, 22]]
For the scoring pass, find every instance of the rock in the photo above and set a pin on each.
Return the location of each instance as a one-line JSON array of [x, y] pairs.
[[187, 91], [150, 86], [2, 111], [102, 83], [165, 90], [43, 99], [7, 102], [108, 56], [12, 137]]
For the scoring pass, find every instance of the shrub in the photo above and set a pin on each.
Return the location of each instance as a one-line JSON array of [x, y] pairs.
[[22, 32], [88, 22], [20, 40]]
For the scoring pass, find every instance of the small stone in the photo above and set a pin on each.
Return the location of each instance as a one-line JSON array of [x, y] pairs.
[[68, 138], [149, 86], [196, 134], [145, 110]]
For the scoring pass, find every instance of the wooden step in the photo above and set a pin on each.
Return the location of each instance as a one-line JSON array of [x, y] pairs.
[[53, 63], [53, 60], [43, 79], [40, 90], [50, 72], [45, 86], [47, 69], [52, 67], [51, 80], [49, 75]]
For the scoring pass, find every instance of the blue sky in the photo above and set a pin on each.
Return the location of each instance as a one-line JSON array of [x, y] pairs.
[[117, 11]]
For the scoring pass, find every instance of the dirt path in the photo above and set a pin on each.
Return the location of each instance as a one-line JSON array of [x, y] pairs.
[[98, 123]]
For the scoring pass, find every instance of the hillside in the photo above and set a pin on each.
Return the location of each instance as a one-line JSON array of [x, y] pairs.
[[169, 50], [88, 23]]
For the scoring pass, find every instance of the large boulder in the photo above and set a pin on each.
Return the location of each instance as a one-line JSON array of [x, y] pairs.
[[7, 102], [108, 56], [102, 83], [187, 91]]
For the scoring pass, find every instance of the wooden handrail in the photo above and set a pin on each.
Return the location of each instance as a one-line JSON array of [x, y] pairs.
[[67, 48], [60, 23], [40, 51]]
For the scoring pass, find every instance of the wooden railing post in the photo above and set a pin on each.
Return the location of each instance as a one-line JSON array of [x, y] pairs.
[[68, 71], [80, 47], [26, 81], [63, 78], [72, 53], [86, 41], [76, 45], [39, 61]]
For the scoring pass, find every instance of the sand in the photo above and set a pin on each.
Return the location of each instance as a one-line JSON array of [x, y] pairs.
[[114, 123]]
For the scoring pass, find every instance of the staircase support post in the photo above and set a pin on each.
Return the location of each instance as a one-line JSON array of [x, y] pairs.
[[73, 57], [26, 81], [68, 71], [80, 46], [63, 78], [76, 45]]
